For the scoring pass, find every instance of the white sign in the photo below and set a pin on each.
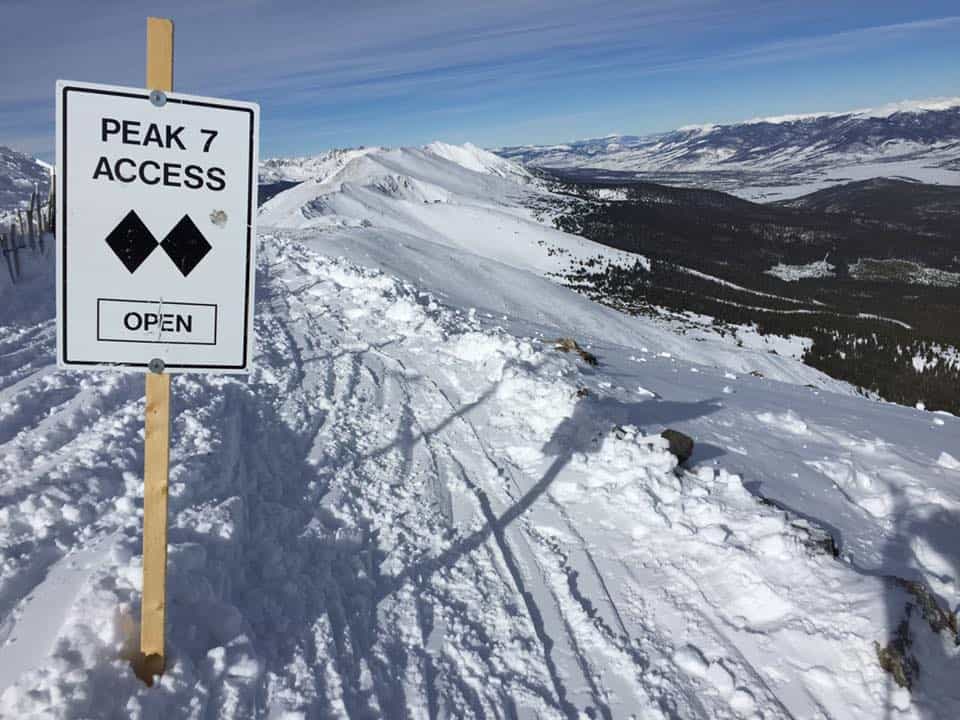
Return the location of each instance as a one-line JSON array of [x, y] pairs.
[[155, 229]]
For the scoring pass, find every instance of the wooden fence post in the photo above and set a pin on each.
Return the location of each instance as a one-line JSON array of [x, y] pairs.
[[52, 203], [30, 212], [6, 254], [40, 224], [15, 249]]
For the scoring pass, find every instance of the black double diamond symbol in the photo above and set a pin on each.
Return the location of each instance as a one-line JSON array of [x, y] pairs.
[[185, 245], [132, 242]]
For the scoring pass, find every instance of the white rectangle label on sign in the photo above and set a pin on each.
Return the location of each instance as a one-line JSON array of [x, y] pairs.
[[156, 322], [155, 229]]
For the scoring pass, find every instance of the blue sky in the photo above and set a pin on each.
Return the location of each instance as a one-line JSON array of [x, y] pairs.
[[337, 74]]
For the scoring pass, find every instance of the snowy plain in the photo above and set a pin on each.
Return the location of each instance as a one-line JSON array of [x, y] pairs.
[[417, 506]]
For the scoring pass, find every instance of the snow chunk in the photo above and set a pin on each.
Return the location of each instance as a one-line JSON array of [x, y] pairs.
[[948, 461], [788, 421]]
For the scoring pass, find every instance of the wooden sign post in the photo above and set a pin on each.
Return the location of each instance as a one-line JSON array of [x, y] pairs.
[[156, 457], [173, 244]]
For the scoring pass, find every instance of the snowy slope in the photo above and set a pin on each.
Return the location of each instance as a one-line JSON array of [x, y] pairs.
[[417, 507], [779, 157], [473, 158]]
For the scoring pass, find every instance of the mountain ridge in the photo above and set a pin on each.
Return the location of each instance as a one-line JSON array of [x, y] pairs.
[[903, 106]]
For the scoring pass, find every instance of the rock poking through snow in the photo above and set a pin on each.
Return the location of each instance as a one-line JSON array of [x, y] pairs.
[[681, 445]]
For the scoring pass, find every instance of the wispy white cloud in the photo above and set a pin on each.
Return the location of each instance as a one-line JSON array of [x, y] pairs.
[[357, 58], [837, 42]]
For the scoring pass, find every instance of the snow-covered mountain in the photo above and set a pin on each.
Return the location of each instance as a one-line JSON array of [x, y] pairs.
[[19, 175], [314, 167], [419, 505], [463, 197], [320, 168], [778, 156]]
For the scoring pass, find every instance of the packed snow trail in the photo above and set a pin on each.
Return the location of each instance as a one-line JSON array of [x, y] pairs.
[[407, 511]]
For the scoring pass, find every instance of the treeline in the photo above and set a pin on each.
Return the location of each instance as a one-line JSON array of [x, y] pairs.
[[708, 229], [873, 354], [884, 363], [738, 241]]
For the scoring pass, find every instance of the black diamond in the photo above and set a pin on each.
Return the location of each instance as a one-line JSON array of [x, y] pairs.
[[131, 241], [185, 245]]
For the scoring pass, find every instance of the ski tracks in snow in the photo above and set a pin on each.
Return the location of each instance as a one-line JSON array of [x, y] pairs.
[[404, 514]]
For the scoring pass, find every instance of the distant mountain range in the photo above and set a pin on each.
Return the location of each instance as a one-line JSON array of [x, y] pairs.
[[773, 158], [19, 174]]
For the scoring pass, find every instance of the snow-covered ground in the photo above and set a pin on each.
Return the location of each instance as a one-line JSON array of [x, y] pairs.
[[903, 270], [791, 273], [417, 506]]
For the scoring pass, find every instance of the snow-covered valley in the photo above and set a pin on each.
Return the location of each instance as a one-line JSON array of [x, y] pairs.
[[418, 506]]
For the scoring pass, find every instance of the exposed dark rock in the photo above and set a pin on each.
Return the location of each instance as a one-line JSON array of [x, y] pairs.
[[681, 445], [896, 657], [938, 618], [815, 538], [571, 345]]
